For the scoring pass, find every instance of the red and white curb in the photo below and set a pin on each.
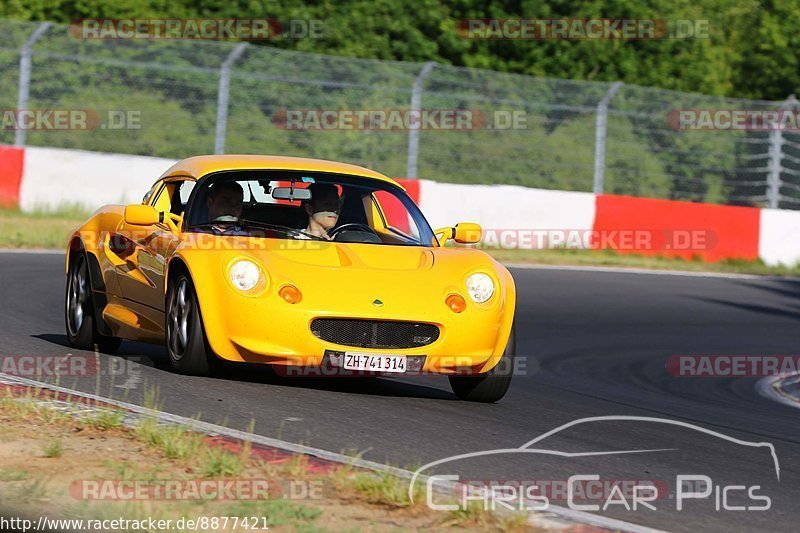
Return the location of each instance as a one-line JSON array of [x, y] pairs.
[[84, 404], [45, 178]]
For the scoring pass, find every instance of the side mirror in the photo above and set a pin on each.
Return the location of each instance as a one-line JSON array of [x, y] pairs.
[[462, 233], [467, 233], [142, 215]]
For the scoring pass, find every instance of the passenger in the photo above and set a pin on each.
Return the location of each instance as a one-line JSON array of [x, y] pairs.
[[323, 209]]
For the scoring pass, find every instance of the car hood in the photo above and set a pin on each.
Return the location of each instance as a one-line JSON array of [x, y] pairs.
[[353, 256], [351, 260]]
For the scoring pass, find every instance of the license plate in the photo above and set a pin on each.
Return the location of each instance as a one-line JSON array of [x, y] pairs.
[[374, 362]]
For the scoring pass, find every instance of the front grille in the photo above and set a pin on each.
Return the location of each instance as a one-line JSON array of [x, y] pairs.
[[374, 333]]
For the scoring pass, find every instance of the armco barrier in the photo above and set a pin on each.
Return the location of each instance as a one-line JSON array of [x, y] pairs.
[[682, 229], [36, 178], [54, 176], [506, 207], [11, 164], [779, 236]]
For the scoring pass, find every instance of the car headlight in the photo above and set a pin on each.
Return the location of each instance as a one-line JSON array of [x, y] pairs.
[[480, 287], [244, 274]]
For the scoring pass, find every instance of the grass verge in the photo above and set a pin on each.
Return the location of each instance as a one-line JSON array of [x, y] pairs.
[[39, 229], [53, 465]]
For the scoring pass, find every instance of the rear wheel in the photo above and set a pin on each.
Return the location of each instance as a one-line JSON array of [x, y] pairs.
[[492, 385], [79, 315], [189, 352]]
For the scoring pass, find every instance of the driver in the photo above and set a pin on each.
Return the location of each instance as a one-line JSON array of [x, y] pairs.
[[225, 200], [323, 209]]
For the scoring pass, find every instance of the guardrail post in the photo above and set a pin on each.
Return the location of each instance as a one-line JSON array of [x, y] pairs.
[[774, 168], [25, 77], [600, 137], [413, 133], [775, 158], [223, 97]]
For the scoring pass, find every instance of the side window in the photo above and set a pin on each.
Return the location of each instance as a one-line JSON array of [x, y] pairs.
[[163, 198], [151, 192], [395, 214], [180, 197], [173, 197]]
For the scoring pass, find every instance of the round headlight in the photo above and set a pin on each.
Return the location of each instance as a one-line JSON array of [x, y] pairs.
[[480, 287], [245, 274]]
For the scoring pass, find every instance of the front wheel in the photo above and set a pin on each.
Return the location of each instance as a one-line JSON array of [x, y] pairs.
[[491, 386], [79, 314], [189, 352]]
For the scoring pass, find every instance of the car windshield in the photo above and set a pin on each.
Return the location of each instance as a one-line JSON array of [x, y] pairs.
[[306, 205]]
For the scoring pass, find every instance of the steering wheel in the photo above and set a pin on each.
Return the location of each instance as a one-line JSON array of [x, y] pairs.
[[351, 225]]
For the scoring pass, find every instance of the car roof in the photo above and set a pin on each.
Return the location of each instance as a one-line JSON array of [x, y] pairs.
[[199, 166]]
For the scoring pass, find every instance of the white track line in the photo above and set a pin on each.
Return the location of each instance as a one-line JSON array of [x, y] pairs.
[[624, 270], [769, 387], [544, 519], [32, 251]]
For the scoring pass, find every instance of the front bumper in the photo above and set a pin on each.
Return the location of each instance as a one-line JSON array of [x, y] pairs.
[[266, 329]]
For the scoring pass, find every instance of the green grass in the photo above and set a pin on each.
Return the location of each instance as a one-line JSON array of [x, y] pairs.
[[383, 489], [106, 419], [176, 442], [476, 516], [53, 448], [219, 462], [276, 513], [40, 229], [13, 474]]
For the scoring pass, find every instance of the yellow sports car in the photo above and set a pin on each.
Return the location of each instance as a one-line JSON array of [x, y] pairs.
[[296, 262]]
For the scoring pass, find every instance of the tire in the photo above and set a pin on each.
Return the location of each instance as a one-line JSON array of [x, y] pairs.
[[491, 386], [79, 317], [189, 352]]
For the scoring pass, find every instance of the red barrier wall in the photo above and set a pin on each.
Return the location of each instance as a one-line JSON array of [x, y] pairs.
[[11, 160], [394, 210], [412, 188], [670, 228]]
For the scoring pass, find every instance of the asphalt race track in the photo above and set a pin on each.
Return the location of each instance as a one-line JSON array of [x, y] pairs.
[[593, 344]]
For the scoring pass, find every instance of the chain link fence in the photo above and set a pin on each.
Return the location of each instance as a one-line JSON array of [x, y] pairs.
[[196, 97]]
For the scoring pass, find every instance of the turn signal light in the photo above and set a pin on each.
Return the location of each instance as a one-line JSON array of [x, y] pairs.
[[456, 303], [290, 294]]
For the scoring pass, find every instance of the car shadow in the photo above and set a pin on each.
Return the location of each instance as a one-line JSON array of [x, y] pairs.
[[138, 352], [155, 356], [369, 385]]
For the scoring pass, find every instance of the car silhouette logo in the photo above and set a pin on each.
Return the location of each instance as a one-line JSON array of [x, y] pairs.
[[377, 302]]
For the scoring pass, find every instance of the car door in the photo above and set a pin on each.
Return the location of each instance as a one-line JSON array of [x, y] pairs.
[[145, 249]]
